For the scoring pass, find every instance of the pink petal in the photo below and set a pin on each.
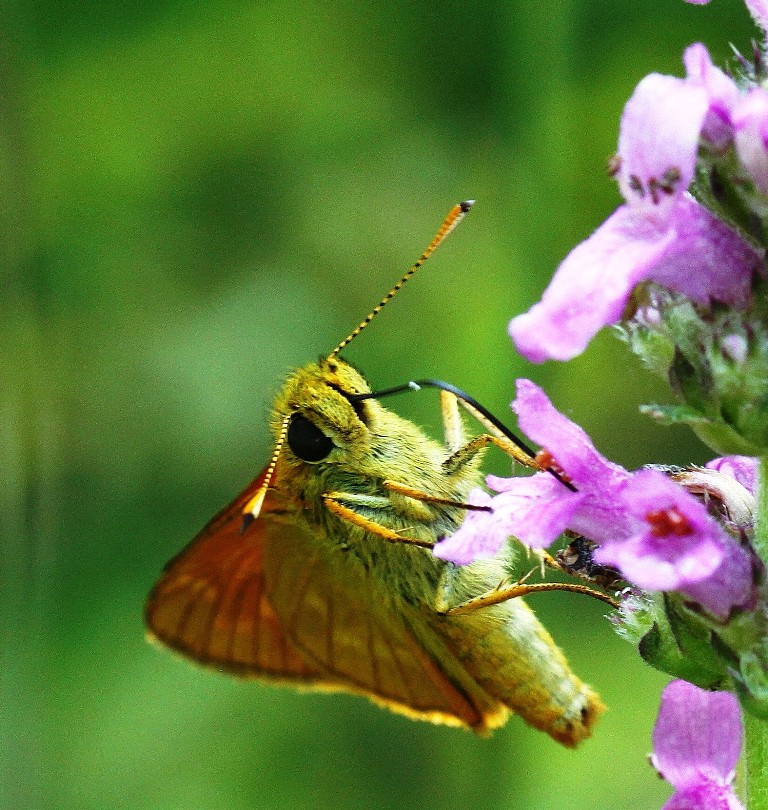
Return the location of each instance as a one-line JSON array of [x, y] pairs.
[[658, 142], [721, 90], [759, 11], [750, 120], [534, 509], [730, 585], [658, 568], [696, 254], [707, 260], [697, 737], [572, 448], [591, 287], [705, 796], [670, 561], [600, 514], [742, 468], [478, 536], [537, 508]]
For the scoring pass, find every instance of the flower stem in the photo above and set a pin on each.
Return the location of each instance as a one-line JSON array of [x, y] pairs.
[[754, 772], [755, 765], [761, 511]]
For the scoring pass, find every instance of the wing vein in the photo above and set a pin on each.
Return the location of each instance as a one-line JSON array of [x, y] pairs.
[[225, 577]]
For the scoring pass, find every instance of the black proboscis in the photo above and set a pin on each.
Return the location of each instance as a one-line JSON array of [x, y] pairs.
[[416, 385]]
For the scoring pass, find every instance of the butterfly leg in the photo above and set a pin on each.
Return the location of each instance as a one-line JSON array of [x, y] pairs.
[[342, 504], [418, 495], [517, 589], [453, 427], [509, 588], [462, 451]]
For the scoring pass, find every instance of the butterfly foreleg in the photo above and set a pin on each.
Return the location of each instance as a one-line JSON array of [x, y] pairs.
[[418, 495], [469, 451], [345, 505]]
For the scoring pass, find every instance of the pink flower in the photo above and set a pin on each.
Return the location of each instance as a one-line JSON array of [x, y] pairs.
[[678, 546], [657, 534], [660, 234], [538, 508], [697, 741], [741, 468]]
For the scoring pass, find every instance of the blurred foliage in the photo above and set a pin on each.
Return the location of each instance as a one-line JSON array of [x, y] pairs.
[[196, 196]]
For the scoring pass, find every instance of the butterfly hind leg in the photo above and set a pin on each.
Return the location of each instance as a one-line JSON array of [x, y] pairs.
[[514, 590]]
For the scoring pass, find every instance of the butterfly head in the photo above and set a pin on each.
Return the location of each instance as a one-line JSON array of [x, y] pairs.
[[318, 418]]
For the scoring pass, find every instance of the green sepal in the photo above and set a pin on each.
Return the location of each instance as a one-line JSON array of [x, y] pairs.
[[715, 359], [743, 643], [727, 189], [722, 438], [681, 646], [652, 346], [691, 379], [747, 701], [750, 681], [674, 414]]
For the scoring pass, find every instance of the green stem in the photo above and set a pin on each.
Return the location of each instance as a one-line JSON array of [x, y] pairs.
[[754, 772], [755, 765], [761, 511]]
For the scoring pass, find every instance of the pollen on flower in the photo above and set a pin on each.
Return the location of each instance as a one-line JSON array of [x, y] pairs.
[[664, 522], [613, 167], [546, 461], [636, 184]]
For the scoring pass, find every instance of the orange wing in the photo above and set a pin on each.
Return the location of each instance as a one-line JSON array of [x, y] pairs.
[[278, 602], [211, 603]]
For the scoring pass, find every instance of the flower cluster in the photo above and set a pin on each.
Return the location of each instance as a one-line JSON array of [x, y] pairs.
[[659, 536], [680, 266], [680, 269], [661, 233]]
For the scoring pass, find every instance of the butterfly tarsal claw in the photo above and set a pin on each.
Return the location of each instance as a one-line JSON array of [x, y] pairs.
[[545, 561]]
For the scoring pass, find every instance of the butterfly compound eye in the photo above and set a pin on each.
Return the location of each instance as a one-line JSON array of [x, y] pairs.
[[307, 441]]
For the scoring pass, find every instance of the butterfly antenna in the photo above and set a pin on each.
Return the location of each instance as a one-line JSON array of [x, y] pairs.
[[455, 215], [253, 507]]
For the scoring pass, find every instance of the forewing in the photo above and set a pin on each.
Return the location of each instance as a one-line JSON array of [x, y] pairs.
[[211, 604]]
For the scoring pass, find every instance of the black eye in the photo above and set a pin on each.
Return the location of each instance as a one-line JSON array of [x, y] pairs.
[[306, 440]]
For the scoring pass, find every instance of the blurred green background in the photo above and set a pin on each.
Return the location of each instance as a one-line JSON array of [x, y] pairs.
[[197, 196]]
